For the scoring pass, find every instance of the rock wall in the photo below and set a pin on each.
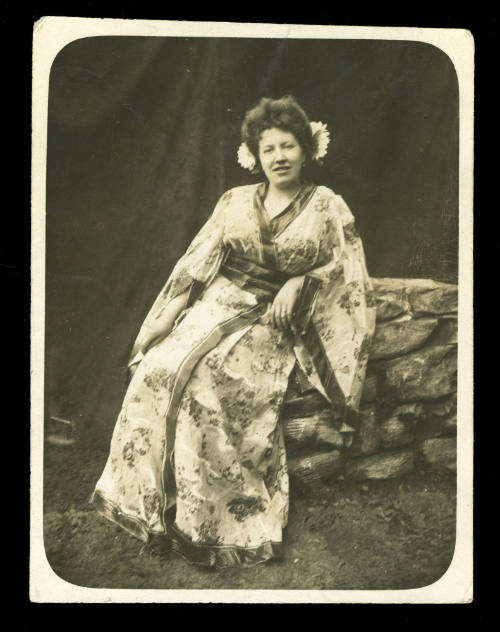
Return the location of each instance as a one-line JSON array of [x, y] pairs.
[[408, 413]]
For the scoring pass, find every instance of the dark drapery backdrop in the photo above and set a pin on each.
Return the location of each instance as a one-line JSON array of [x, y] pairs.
[[142, 138]]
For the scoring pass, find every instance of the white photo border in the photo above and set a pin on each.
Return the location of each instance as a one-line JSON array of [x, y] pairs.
[[51, 34]]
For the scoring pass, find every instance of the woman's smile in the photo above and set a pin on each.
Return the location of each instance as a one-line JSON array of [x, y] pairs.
[[281, 157]]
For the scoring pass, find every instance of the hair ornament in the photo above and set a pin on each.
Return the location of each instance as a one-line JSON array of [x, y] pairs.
[[245, 157], [321, 137]]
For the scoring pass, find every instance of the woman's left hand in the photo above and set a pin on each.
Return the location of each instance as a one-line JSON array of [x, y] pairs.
[[282, 307]]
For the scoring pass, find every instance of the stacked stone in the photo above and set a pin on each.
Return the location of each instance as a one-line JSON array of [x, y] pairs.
[[408, 407]]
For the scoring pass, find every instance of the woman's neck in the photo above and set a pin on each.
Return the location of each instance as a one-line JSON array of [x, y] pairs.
[[277, 199], [283, 194]]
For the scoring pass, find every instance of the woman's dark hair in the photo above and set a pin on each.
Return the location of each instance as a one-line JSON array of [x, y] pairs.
[[285, 114]]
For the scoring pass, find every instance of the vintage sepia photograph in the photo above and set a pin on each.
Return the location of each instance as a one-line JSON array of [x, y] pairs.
[[247, 311]]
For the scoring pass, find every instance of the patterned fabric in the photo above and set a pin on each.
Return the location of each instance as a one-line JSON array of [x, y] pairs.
[[199, 426]]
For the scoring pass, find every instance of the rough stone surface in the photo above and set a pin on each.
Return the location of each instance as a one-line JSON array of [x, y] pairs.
[[418, 296], [441, 407], [394, 433], [369, 393], [432, 297], [450, 424], [313, 469], [391, 299], [428, 373], [409, 412], [312, 431], [446, 332], [381, 466], [400, 336], [440, 453], [435, 426], [366, 440], [304, 405]]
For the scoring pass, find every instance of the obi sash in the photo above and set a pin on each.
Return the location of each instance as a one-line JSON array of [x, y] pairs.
[[262, 281]]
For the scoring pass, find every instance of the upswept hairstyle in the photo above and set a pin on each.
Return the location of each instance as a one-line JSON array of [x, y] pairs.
[[285, 114]]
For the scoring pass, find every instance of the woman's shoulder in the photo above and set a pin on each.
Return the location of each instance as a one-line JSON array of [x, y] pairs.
[[335, 203], [327, 193], [242, 190], [237, 194]]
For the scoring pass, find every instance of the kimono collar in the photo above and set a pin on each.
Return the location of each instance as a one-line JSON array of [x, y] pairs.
[[280, 221]]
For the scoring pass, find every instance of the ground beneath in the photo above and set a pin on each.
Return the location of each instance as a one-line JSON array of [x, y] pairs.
[[393, 534]]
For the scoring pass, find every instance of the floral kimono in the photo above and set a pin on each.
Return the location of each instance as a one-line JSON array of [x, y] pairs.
[[197, 459]]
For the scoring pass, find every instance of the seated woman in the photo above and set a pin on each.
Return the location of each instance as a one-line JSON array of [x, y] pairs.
[[275, 278]]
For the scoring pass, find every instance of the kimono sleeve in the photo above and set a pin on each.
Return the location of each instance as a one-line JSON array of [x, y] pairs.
[[203, 258], [336, 311], [196, 268]]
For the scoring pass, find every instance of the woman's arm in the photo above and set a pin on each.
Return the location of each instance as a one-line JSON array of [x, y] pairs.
[[161, 326], [199, 264]]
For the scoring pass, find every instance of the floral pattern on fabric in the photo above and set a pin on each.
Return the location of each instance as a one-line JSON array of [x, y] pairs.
[[223, 432]]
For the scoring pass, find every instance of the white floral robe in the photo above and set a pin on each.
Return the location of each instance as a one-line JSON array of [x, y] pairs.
[[197, 457]]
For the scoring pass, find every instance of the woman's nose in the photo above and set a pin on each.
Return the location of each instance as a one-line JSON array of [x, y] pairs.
[[279, 155]]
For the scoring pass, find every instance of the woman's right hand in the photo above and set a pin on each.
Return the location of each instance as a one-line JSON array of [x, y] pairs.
[[142, 346], [162, 326], [131, 371], [152, 337]]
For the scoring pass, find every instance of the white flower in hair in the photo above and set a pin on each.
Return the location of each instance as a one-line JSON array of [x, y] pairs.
[[321, 137], [245, 157]]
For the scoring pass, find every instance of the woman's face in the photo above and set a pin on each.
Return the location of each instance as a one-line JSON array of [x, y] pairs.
[[281, 157]]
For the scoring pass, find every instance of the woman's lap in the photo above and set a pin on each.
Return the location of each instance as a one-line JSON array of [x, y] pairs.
[[232, 485], [230, 467]]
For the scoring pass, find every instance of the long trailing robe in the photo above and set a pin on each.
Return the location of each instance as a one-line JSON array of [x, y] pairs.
[[199, 426]]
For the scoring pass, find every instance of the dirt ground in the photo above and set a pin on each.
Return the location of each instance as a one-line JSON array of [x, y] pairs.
[[392, 534]]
